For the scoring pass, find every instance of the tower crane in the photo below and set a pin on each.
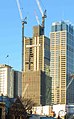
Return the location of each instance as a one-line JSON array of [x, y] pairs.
[[24, 21], [42, 13], [37, 17]]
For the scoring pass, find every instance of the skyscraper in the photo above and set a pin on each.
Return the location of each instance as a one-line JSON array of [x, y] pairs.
[[62, 62], [36, 58]]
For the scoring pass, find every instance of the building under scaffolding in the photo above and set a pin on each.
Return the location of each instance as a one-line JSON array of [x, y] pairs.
[[36, 58], [37, 86]]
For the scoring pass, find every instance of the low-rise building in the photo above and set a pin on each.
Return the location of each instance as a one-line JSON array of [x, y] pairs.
[[42, 110]]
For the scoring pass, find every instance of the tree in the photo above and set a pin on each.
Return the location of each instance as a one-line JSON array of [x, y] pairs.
[[17, 107], [28, 104], [17, 110], [20, 108]]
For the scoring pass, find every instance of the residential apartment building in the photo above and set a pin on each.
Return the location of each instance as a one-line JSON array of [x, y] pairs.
[[6, 80], [62, 62], [36, 60]]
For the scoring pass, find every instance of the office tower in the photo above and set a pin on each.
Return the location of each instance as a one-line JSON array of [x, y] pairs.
[[17, 83], [36, 58], [62, 62], [6, 80]]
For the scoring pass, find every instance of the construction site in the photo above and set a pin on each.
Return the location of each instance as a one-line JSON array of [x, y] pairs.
[[36, 80], [35, 61]]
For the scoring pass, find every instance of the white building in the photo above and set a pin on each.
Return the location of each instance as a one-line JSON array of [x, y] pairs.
[[42, 110], [6, 80], [59, 109]]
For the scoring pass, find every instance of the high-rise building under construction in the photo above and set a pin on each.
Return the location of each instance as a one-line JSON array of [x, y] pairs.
[[36, 51], [36, 59], [62, 62]]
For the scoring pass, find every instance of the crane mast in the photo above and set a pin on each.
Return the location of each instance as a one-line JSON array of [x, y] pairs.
[[43, 19], [23, 22]]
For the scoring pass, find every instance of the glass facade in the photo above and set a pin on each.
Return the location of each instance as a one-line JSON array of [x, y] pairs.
[[62, 62], [59, 26], [70, 64]]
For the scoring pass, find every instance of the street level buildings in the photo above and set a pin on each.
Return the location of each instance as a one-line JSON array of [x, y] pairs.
[[36, 60], [62, 62]]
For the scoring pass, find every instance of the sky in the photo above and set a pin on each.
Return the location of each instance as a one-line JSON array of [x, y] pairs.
[[11, 27]]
